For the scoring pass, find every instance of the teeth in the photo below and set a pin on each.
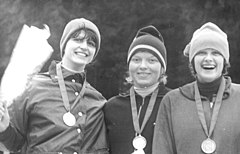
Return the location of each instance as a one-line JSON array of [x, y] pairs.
[[81, 54], [143, 74], [209, 67]]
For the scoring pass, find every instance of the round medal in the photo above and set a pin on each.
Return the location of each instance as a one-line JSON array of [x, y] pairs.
[[69, 119], [138, 152], [208, 146], [139, 142]]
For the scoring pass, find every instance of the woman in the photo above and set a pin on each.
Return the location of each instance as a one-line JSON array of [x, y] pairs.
[[130, 117], [202, 116], [60, 112]]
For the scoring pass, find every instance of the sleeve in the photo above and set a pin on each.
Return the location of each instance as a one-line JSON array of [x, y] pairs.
[[106, 120], [14, 136], [94, 139], [163, 139]]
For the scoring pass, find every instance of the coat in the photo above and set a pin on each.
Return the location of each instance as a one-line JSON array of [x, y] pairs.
[[119, 123], [37, 118], [178, 128]]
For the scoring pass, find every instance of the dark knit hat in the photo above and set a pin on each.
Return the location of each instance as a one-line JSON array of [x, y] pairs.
[[74, 26], [149, 39]]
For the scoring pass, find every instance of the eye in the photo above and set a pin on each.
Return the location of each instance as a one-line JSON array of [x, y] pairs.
[[91, 43], [153, 60], [216, 53], [201, 53], [135, 59], [77, 39]]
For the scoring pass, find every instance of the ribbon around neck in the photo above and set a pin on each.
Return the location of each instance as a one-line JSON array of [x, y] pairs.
[[63, 89], [148, 113], [216, 108]]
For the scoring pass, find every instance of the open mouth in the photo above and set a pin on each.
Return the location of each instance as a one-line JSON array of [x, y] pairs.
[[208, 67], [83, 54], [143, 74]]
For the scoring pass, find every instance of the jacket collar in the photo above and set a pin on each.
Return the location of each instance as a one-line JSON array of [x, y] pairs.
[[53, 72], [189, 92], [161, 92]]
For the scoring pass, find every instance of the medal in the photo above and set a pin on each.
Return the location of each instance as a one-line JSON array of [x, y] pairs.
[[139, 142], [138, 152], [69, 119], [208, 146]]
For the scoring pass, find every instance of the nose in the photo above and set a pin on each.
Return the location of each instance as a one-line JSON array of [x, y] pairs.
[[83, 44], [208, 57], [143, 64]]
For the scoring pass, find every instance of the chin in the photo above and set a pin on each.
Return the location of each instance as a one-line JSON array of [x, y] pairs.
[[209, 79], [80, 62], [143, 85]]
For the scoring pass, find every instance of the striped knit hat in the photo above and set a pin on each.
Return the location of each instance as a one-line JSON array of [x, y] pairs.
[[149, 39], [74, 26], [208, 36]]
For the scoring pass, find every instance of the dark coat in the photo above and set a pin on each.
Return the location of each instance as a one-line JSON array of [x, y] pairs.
[[37, 118], [118, 118]]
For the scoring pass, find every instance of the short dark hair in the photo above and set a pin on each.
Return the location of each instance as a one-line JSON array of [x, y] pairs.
[[88, 34]]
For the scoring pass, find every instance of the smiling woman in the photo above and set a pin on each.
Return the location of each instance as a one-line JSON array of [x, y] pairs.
[[60, 106], [130, 116], [208, 65], [202, 116], [79, 51], [145, 69]]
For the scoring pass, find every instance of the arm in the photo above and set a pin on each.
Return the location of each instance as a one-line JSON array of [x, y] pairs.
[[12, 133], [163, 139]]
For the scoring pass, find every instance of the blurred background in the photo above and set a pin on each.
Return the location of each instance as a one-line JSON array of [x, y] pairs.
[[118, 21]]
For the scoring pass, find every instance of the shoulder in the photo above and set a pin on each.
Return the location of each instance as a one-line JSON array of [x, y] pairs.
[[163, 90], [35, 81], [92, 92], [178, 94], [118, 99], [173, 92], [41, 78], [231, 88], [235, 88]]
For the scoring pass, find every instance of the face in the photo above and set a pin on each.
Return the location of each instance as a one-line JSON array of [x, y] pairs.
[[79, 51], [209, 65], [144, 69]]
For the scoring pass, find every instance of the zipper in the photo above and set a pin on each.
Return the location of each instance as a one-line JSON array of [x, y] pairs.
[[140, 108]]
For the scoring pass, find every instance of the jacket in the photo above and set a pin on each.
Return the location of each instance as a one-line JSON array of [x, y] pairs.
[[118, 118], [37, 118], [178, 128]]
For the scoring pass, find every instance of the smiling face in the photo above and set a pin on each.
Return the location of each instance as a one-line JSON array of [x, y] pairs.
[[79, 51], [208, 64], [145, 69]]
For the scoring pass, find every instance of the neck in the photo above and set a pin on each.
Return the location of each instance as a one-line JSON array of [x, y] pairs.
[[146, 91], [73, 67], [210, 88]]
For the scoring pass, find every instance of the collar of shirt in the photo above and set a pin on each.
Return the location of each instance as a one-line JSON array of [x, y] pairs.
[[67, 75]]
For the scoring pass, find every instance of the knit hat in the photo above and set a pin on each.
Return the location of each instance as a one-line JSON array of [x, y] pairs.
[[74, 26], [149, 39], [208, 36]]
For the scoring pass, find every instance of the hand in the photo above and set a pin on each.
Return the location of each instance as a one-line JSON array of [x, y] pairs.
[[4, 116]]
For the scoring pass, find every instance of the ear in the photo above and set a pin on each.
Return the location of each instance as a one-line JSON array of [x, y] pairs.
[[187, 50]]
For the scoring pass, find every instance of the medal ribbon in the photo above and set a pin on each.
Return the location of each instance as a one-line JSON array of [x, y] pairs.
[[148, 113], [216, 109], [64, 91]]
